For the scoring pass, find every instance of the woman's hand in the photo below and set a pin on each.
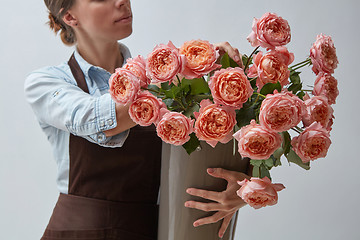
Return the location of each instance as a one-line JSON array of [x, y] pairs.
[[226, 203], [225, 47]]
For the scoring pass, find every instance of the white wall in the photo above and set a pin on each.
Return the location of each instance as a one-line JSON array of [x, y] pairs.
[[319, 204]]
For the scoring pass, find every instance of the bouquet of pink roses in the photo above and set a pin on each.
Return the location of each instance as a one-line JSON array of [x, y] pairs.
[[191, 97]]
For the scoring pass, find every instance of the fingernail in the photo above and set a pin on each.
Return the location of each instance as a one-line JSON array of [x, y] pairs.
[[237, 58], [211, 170], [188, 190], [196, 224], [187, 204]]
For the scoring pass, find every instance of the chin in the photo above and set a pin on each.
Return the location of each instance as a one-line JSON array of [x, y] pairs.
[[124, 34]]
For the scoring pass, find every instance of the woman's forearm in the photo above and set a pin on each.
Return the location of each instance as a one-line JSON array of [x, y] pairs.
[[124, 122]]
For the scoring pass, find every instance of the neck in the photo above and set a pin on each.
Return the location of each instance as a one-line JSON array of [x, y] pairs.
[[106, 55]]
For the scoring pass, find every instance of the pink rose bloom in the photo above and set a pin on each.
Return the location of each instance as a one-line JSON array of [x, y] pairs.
[[272, 67], [201, 58], [318, 110], [164, 63], [326, 85], [256, 141], [124, 86], [174, 127], [269, 31], [214, 123], [137, 66], [145, 110], [312, 143], [259, 192], [230, 87], [323, 55], [281, 111]]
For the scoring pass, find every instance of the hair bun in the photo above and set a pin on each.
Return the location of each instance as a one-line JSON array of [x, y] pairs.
[[54, 24]]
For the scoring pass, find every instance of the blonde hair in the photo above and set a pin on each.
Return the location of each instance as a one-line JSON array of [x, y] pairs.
[[57, 10]]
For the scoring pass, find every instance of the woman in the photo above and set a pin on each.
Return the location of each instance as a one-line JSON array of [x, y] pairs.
[[108, 188]]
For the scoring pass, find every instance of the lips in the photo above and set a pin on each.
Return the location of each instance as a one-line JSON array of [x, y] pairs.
[[125, 18]]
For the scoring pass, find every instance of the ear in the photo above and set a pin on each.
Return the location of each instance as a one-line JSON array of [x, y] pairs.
[[70, 20]]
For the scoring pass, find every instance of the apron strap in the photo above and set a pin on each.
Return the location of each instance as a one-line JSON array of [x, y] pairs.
[[78, 73]]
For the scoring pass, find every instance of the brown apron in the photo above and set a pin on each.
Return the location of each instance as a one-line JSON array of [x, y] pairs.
[[112, 191]]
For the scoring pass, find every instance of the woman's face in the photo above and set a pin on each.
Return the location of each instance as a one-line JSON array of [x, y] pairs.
[[103, 19]]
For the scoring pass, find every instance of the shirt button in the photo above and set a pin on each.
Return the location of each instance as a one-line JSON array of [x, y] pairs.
[[110, 122], [100, 137], [55, 93], [102, 123]]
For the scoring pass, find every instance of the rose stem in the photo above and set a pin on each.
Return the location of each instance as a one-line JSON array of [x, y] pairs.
[[259, 94], [152, 90], [300, 65], [178, 79], [306, 60], [298, 128], [248, 60], [294, 129]]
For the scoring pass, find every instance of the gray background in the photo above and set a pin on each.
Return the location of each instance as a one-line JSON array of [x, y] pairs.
[[318, 204]]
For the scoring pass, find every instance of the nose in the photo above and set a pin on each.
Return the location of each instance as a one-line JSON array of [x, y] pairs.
[[121, 3]]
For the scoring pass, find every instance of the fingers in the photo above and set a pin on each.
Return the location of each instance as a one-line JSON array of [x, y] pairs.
[[207, 207], [225, 224], [212, 219], [215, 196], [229, 176]]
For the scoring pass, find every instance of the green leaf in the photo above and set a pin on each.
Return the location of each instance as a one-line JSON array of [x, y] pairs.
[[264, 172], [244, 116], [256, 171], [286, 142], [166, 86], [278, 153], [155, 90], [197, 85], [270, 87], [256, 163], [199, 98], [301, 95], [277, 162], [245, 59], [294, 158], [233, 64], [172, 92], [191, 145], [225, 61], [185, 90], [277, 156], [260, 169], [190, 110], [153, 87], [269, 163], [295, 87], [168, 102], [295, 77]]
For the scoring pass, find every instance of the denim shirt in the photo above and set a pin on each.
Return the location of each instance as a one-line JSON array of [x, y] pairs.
[[62, 108]]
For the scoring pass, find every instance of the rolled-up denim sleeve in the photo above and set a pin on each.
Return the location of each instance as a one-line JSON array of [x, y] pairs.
[[106, 119], [58, 102]]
